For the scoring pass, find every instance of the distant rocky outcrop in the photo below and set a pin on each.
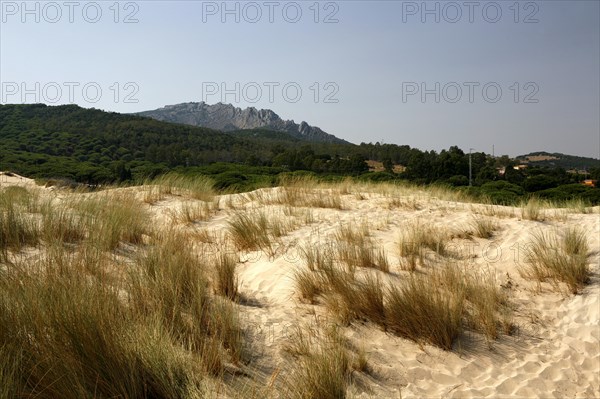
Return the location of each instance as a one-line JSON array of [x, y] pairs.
[[228, 118]]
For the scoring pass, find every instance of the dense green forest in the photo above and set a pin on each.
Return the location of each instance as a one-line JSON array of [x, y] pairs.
[[93, 147]]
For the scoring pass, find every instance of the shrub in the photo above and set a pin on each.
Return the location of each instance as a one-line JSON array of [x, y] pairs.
[[458, 180], [502, 192], [230, 181], [540, 182]]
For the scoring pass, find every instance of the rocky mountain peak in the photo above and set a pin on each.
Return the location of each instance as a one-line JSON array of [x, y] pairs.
[[227, 117]]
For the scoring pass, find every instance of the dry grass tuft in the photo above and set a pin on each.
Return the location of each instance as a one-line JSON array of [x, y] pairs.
[[250, 231], [253, 230], [416, 310], [494, 210], [315, 256], [225, 279], [434, 307], [308, 284], [533, 210], [483, 228], [191, 212], [558, 258], [488, 310], [416, 238], [323, 367], [305, 192], [61, 223], [18, 228], [406, 203], [355, 248], [578, 206], [112, 218], [68, 335], [195, 187]]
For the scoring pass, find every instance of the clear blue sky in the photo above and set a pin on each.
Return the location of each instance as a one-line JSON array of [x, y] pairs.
[[373, 58]]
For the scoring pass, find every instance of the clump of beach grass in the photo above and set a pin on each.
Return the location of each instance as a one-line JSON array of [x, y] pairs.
[[323, 364], [533, 209], [355, 248], [483, 227], [558, 257], [415, 238]]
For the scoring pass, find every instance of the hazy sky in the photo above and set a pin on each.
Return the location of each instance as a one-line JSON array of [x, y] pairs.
[[520, 76]]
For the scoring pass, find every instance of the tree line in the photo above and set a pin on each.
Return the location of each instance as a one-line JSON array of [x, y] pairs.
[[94, 147]]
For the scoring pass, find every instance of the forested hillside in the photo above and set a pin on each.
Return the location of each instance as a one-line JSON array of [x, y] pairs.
[[90, 145], [558, 160], [93, 147]]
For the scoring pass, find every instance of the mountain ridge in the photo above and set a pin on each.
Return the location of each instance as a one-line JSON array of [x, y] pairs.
[[227, 118]]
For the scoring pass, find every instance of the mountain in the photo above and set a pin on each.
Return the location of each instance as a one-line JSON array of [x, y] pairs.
[[558, 160], [94, 146], [226, 117]]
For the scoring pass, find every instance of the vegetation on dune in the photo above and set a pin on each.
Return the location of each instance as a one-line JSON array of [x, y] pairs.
[[81, 318], [416, 238], [324, 365], [96, 301], [433, 307], [558, 257]]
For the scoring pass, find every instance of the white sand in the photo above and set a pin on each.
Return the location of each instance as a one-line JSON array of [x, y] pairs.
[[12, 179], [555, 353]]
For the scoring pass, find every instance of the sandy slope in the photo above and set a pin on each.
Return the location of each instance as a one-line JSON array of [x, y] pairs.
[[555, 352], [12, 179]]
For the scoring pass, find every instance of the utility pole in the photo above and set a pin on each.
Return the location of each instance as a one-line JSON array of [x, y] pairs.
[[470, 168]]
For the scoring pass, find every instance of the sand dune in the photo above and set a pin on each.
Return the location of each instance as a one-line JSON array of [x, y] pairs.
[[554, 351]]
